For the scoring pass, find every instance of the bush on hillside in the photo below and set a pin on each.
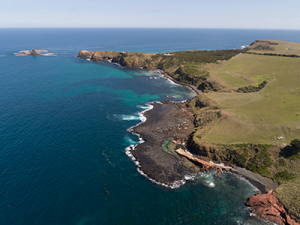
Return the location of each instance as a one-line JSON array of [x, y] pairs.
[[250, 88]]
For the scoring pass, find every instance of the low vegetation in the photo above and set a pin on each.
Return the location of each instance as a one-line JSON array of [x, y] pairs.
[[250, 88], [283, 176]]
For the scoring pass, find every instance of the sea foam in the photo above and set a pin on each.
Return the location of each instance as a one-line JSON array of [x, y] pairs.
[[130, 117]]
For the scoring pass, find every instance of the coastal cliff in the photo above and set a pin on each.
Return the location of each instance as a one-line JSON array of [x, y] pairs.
[[186, 67]]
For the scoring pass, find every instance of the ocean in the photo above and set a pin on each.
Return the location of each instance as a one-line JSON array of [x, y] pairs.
[[64, 129]]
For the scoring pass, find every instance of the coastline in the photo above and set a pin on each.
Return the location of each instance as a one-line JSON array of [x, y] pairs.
[[177, 175], [192, 87], [162, 122], [255, 179], [263, 184]]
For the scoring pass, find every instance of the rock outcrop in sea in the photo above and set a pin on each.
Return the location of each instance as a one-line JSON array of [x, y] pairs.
[[34, 52]]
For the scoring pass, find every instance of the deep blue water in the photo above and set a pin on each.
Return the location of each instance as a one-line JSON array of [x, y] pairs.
[[63, 130]]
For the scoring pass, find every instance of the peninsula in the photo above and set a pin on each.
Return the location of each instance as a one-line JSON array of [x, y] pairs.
[[245, 115]]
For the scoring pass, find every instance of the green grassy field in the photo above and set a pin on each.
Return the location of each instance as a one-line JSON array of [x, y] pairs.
[[262, 116], [280, 47]]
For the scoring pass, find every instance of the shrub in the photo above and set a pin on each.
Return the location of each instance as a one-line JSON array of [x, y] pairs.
[[160, 66], [250, 88], [283, 176], [296, 144], [281, 162], [292, 150]]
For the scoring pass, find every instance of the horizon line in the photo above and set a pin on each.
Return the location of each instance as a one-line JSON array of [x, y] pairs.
[[148, 28]]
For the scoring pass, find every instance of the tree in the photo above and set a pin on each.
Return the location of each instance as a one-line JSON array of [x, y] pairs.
[[296, 144]]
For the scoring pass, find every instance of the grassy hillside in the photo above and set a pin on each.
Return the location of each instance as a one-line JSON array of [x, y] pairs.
[[275, 47], [257, 118]]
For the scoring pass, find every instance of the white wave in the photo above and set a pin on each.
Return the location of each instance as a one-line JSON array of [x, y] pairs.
[[172, 82], [175, 184], [129, 141], [189, 177], [244, 46], [141, 140], [130, 117], [129, 154], [143, 106], [141, 114], [211, 184], [208, 179]]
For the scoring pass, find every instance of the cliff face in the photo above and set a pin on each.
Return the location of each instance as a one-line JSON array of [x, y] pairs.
[[85, 54], [267, 206], [126, 59]]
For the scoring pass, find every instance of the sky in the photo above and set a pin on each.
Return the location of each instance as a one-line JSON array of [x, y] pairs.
[[254, 14]]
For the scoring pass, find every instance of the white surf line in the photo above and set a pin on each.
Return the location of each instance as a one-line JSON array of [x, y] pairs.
[[175, 184], [244, 179]]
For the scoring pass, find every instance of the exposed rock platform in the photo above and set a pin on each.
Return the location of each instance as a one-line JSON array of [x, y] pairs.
[[166, 120]]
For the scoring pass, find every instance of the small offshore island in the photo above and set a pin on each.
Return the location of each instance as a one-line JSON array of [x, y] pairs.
[[34, 52], [244, 119]]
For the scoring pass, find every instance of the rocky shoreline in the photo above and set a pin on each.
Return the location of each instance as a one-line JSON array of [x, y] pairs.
[[164, 121], [174, 121]]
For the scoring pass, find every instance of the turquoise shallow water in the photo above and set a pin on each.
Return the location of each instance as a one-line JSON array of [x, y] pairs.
[[63, 132]]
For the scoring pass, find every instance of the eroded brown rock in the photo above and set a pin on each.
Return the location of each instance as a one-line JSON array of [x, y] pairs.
[[268, 207], [206, 166]]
